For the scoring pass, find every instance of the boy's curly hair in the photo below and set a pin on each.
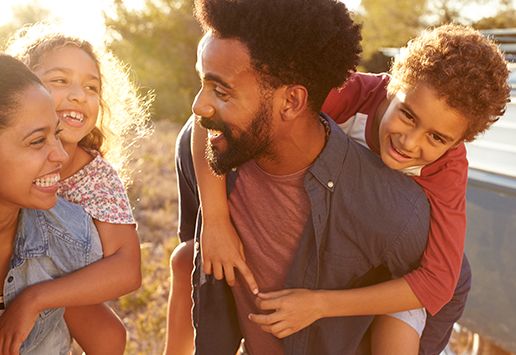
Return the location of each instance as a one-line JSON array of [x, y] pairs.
[[123, 114], [463, 67], [313, 43]]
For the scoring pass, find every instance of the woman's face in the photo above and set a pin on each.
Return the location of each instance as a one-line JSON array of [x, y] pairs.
[[73, 79], [31, 154]]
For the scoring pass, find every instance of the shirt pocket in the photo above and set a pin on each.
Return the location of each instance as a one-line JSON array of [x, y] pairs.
[[341, 270]]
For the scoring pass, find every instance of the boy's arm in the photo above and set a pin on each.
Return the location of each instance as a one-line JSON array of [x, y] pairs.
[[295, 309], [444, 182], [221, 248]]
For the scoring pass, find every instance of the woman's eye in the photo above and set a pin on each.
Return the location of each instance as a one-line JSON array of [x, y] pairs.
[[58, 81], [38, 141]]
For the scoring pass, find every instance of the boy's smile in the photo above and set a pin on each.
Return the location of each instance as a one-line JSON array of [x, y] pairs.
[[417, 128]]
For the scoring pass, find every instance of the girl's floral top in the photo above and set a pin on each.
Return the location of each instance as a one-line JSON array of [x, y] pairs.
[[99, 190]]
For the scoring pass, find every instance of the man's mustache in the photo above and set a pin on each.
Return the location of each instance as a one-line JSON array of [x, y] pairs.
[[209, 123]]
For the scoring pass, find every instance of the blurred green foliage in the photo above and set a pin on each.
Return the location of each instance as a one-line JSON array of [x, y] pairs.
[[22, 15], [160, 44]]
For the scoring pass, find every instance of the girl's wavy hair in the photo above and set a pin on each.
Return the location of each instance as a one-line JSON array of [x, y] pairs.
[[124, 115], [463, 67]]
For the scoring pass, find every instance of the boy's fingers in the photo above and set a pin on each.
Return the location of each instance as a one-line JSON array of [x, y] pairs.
[[217, 271], [229, 274], [248, 277], [206, 267], [274, 294]]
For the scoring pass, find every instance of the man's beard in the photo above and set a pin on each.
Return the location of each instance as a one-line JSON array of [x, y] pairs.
[[255, 142]]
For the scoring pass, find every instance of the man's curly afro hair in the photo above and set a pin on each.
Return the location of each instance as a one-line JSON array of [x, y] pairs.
[[313, 43], [463, 67]]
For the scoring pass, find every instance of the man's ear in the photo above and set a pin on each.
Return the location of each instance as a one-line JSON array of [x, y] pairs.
[[294, 101]]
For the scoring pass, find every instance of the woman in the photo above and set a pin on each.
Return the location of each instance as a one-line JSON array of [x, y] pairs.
[[37, 246]]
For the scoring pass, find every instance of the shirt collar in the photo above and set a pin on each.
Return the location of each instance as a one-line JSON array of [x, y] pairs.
[[329, 164]]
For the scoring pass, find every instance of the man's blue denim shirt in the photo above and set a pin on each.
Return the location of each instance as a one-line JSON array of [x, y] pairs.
[[50, 244], [368, 224]]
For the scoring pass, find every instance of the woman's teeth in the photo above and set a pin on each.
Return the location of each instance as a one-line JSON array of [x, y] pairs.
[[47, 181]]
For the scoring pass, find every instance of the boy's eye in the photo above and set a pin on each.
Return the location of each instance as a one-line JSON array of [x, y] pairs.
[[437, 138], [407, 115]]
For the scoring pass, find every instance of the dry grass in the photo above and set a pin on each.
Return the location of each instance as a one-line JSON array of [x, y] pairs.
[[154, 198]]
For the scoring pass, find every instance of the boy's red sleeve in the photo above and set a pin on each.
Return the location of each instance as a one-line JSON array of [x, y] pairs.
[[444, 182], [359, 91]]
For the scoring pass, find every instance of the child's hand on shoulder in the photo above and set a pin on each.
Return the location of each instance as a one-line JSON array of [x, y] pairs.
[[222, 252]]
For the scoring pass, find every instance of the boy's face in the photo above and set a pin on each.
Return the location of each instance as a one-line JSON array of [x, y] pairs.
[[418, 128]]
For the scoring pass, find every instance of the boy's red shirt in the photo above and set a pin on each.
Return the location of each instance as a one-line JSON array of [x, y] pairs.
[[444, 182]]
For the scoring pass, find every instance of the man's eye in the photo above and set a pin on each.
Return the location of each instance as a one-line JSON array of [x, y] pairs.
[[220, 94]]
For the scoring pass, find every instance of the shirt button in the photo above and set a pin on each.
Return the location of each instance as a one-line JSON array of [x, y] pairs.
[[10, 279], [330, 184]]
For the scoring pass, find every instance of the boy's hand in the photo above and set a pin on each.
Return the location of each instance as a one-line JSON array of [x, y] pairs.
[[16, 323], [292, 310], [222, 251]]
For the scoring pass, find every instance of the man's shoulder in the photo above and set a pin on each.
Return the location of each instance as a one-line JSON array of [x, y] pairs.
[[361, 172]]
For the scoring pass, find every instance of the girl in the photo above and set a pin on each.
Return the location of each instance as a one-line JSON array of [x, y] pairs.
[[36, 245], [418, 126], [100, 114]]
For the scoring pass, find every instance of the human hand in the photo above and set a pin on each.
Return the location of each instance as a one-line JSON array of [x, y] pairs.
[[16, 323], [222, 252], [293, 310]]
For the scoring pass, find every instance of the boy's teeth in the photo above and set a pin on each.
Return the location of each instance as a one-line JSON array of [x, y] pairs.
[[47, 181]]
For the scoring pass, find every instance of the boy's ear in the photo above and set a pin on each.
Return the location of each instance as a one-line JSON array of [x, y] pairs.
[[294, 101]]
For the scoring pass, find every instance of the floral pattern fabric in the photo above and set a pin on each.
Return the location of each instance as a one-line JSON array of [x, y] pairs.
[[99, 190]]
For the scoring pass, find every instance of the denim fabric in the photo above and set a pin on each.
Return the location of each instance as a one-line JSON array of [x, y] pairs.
[[50, 244]]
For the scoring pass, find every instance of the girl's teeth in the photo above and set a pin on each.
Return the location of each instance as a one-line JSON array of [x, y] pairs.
[[47, 181]]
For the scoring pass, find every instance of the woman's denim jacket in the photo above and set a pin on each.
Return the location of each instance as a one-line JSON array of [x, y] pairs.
[[50, 244]]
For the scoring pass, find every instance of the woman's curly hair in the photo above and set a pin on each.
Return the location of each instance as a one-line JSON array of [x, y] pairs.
[[313, 43], [124, 115], [463, 67]]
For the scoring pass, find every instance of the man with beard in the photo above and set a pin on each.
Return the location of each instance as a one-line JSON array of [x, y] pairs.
[[314, 210]]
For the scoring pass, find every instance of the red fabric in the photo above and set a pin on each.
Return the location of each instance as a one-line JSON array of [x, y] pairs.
[[444, 182], [270, 240]]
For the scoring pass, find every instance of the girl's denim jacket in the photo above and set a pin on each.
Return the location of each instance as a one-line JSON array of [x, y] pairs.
[[50, 244]]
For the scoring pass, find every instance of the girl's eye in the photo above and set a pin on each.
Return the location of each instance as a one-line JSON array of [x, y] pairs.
[[93, 88]]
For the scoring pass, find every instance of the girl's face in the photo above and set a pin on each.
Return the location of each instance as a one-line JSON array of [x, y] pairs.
[[418, 128], [31, 154], [73, 79]]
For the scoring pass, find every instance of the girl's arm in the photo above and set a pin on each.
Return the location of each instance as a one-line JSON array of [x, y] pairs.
[[221, 248], [116, 274]]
